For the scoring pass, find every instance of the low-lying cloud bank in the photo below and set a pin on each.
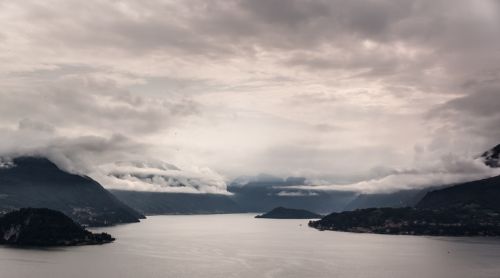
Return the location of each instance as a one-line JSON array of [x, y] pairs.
[[112, 161], [449, 170], [159, 177], [119, 162]]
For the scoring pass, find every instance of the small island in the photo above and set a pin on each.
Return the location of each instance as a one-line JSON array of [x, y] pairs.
[[45, 227], [470, 220], [288, 213]]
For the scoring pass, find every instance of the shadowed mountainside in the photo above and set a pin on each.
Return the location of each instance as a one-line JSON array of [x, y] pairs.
[[151, 203], [484, 193], [37, 182], [398, 199]]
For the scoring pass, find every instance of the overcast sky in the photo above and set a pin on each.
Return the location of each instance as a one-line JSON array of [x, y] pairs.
[[379, 94]]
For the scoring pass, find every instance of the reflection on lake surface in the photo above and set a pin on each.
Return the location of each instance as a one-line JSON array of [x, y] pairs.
[[237, 245]]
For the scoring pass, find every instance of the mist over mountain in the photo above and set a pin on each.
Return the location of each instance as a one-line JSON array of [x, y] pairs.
[[464, 209], [37, 182], [247, 194], [265, 192], [158, 176], [328, 90], [161, 188]]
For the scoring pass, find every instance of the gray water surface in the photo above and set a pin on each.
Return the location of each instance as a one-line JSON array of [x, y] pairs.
[[238, 245]]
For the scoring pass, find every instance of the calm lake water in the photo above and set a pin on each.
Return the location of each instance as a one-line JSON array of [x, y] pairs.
[[237, 245]]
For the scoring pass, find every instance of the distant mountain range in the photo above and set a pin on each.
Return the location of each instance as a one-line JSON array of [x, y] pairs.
[[248, 194], [39, 183], [151, 203], [265, 192]]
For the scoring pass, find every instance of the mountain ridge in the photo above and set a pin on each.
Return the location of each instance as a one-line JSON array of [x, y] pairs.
[[38, 182], [484, 193]]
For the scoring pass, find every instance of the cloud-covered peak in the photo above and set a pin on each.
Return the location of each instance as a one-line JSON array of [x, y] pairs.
[[492, 157]]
